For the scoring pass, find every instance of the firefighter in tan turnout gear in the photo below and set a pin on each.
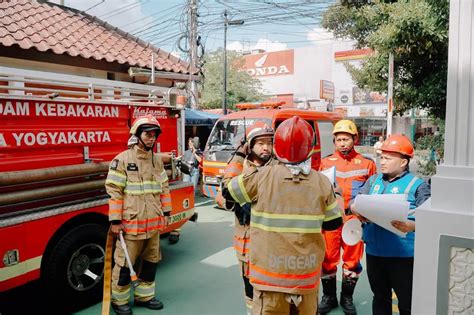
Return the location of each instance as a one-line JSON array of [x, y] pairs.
[[292, 204], [139, 206], [254, 154]]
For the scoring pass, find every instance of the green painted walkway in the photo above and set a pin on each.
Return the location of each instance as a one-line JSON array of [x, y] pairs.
[[199, 275]]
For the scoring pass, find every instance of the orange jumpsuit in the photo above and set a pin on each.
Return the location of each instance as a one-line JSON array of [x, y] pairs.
[[352, 171]]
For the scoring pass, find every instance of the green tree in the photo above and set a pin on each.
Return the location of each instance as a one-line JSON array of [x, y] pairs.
[[416, 32], [241, 87]]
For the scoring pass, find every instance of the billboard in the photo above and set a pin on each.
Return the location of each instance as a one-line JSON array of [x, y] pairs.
[[326, 91], [360, 96], [270, 64]]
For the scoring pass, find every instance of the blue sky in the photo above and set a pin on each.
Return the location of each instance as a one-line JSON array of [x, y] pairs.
[[270, 25]]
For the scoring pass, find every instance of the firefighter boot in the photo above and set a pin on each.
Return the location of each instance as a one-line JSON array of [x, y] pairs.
[[347, 290], [122, 309], [152, 304], [329, 299], [173, 238]]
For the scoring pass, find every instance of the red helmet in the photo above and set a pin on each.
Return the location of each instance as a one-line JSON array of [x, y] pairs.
[[398, 143], [258, 129], [294, 141]]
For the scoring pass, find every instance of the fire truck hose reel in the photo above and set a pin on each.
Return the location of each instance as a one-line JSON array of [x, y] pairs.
[[51, 173], [40, 193]]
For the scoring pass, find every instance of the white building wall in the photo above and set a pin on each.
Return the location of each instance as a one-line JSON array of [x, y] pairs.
[[51, 67], [311, 65], [343, 82]]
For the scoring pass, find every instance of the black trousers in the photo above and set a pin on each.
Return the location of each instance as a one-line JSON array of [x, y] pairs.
[[385, 274]]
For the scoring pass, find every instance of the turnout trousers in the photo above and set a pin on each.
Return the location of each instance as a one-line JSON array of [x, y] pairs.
[[278, 303], [148, 251]]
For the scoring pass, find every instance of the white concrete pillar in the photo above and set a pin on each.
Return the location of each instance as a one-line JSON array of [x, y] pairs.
[[444, 245]]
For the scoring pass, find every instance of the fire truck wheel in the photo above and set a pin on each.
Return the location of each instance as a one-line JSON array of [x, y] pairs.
[[73, 270]]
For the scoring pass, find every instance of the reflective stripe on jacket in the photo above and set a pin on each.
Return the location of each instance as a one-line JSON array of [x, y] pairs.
[[139, 192], [379, 241], [236, 166], [352, 171], [287, 247]]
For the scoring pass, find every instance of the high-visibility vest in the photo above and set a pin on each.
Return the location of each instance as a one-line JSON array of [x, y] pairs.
[[379, 241]]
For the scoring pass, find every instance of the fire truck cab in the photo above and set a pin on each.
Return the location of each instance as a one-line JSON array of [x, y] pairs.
[[229, 130]]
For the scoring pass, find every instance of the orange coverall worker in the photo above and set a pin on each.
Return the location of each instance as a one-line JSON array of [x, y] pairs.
[[139, 197], [352, 171], [287, 246], [236, 166]]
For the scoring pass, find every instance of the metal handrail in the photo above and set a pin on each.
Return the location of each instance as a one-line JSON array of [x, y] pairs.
[[98, 90]]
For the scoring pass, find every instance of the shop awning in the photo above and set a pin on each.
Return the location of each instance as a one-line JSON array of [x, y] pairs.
[[200, 118]]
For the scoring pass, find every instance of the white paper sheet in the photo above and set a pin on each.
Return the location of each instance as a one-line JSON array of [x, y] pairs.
[[331, 174], [383, 209]]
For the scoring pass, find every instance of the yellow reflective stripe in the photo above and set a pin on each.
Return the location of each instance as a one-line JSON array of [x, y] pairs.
[[242, 188], [332, 212], [331, 206], [285, 222], [288, 216], [116, 183], [147, 187], [237, 190], [163, 176], [332, 217], [285, 229], [121, 296], [115, 173], [116, 178], [143, 290]]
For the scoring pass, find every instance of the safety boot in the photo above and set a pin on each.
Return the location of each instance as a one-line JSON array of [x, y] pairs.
[[122, 309], [173, 238], [347, 290], [152, 304], [329, 299]]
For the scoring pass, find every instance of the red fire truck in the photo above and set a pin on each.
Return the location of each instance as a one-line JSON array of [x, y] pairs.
[[228, 131], [58, 134]]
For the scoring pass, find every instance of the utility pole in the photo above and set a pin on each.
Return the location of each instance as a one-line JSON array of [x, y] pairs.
[[390, 95], [224, 96], [193, 50], [226, 23]]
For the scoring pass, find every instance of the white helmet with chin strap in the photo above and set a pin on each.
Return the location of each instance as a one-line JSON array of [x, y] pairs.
[[141, 124]]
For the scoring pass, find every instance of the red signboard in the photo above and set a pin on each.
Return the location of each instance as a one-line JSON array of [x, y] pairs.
[[352, 54], [270, 64]]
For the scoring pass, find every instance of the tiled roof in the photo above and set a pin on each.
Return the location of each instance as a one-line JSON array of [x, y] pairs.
[[44, 26]]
